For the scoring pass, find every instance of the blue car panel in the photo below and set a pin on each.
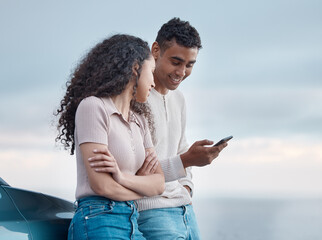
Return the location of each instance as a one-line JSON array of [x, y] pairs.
[[33, 216], [12, 223]]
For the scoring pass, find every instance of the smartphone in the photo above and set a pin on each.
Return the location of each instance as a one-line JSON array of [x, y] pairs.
[[226, 139]]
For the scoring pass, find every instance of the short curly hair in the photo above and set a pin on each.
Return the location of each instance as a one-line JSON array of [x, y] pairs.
[[181, 31], [104, 72]]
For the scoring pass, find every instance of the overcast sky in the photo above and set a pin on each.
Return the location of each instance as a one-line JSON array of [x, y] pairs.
[[258, 77]]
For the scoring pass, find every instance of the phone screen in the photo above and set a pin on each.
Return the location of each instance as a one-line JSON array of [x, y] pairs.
[[226, 139]]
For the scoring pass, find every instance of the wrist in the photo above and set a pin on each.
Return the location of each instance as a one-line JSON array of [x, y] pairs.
[[119, 178], [186, 160], [188, 188]]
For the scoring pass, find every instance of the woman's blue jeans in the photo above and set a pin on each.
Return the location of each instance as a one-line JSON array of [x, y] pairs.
[[169, 223], [101, 218]]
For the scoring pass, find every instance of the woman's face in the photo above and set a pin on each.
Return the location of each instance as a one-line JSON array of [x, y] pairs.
[[146, 81]]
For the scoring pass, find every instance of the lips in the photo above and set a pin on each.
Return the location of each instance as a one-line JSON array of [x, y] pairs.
[[175, 80]]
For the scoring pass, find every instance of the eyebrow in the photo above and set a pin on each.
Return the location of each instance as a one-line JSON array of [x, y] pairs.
[[181, 60]]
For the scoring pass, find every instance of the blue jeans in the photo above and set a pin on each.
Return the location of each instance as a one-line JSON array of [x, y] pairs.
[[169, 223], [101, 218]]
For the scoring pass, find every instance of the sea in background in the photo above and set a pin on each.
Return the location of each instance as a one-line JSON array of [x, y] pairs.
[[259, 218]]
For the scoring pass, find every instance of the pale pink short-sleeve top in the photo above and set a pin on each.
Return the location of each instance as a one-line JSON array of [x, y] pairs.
[[98, 121]]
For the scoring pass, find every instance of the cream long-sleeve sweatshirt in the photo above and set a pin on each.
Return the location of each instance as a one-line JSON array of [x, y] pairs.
[[169, 113]]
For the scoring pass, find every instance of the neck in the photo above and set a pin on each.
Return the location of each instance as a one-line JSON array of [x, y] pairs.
[[159, 87], [122, 103]]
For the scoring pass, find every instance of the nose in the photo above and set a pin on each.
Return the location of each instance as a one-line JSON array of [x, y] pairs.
[[181, 71]]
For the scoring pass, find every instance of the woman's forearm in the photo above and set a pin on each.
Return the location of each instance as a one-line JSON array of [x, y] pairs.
[[113, 190], [149, 180], [149, 186], [103, 184]]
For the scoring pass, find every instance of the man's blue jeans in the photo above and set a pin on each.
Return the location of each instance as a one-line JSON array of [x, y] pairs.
[[169, 223], [101, 218]]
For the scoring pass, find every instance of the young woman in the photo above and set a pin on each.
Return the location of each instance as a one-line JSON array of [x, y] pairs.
[[103, 110]]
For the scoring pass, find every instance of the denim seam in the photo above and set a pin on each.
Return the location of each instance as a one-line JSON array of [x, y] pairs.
[[186, 222], [71, 230], [92, 215], [85, 225], [131, 220]]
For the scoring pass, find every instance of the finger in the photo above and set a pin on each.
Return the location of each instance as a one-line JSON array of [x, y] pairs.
[[101, 157], [151, 164], [147, 161], [213, 152], [151, 154], [143, 167], [146, 167], [219, 147], [102, 164], [149, 158], [109, 153], [154, 168], [105, 169], [102, 151], [222, 146], [148, 152], [203, 142]]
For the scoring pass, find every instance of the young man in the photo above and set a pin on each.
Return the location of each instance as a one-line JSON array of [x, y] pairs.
[[170, 215]]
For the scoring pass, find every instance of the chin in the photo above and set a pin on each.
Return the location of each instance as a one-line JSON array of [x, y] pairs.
[[173, 87], [142, 100]]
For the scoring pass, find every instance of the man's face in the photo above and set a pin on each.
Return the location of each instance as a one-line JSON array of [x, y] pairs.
[[172, 65]]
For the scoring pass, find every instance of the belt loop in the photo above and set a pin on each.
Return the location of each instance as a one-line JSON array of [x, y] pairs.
[[75, 204], [136, 204], [111, 203], [184, 210], [131, 204]]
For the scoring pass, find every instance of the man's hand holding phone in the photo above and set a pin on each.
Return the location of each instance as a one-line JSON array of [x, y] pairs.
[[201, 155]]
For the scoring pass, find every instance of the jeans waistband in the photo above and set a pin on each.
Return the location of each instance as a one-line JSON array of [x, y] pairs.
[[101, 200]]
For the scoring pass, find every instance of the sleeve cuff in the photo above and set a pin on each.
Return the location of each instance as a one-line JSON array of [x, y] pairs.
[[173, 169], [178, 166]]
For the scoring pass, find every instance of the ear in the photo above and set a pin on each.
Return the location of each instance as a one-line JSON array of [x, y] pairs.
[[135, 69], [155, 50]]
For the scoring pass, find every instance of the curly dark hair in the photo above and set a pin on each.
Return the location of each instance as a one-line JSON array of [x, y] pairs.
[[104, 72], [181, 31]]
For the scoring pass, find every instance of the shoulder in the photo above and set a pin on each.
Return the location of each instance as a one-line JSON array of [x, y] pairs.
[[90, 101], [90, 105], [177, 96]]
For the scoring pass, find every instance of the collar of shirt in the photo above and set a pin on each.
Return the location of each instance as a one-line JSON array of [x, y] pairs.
[[111, 109]]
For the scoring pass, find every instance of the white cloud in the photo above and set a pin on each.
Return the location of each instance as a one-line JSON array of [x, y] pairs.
[[264, 166], [253, 111], [259, 150], [33, 163], [248, 166]]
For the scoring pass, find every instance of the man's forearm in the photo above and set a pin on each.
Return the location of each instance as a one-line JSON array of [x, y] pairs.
[[173, 168]]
